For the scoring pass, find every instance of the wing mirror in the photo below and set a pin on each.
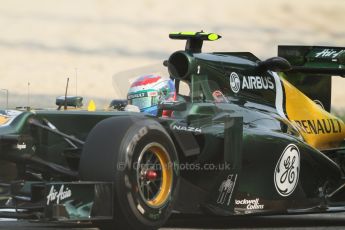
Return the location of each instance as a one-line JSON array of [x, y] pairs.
[[276, 64], [173, 105]]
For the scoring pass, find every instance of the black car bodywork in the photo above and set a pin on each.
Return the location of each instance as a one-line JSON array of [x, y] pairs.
[[241, 145]]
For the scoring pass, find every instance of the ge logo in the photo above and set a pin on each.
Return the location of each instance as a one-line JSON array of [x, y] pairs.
[[286, 173], [235, 82]]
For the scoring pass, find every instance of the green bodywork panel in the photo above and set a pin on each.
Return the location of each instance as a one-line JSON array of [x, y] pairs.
[[77, 123]]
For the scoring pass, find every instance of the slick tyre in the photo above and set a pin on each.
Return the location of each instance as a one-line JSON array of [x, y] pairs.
[[138, 156]]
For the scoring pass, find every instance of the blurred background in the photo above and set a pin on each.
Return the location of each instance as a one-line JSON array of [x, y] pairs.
[[42, 42]]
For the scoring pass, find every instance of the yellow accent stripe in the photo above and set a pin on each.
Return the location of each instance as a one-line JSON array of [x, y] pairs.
[[319, 128], [188, 33]]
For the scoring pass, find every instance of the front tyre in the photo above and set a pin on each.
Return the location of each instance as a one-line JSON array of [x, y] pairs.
[[138, 156]]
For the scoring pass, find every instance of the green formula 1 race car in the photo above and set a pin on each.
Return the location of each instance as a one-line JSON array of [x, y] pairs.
[[250, 137]]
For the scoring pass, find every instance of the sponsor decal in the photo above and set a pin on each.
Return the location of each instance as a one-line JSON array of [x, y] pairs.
[[322, 126], [155, 216], [226, 189], [286, 173], [21, 146], [186, 128], [257, 82], [235, 82], [141, 209], [137, 95], [55, 195], [140, 134], [250, 204], [250, 82], [328, 53]]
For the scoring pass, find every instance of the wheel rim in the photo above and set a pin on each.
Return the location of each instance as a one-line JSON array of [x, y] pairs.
[[154, 175]]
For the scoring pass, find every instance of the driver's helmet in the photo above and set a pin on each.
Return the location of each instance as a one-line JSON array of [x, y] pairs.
[[148, 90]]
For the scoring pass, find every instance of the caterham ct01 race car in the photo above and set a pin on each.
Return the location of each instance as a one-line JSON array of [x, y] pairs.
[[251, 137]]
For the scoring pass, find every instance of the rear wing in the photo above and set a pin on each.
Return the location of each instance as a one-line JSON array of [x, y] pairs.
[[315, 59], [312, 69]]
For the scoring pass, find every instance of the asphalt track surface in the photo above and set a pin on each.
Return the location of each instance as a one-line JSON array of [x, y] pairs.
[[310, 221]]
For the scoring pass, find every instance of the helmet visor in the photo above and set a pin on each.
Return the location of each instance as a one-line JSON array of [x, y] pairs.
[[143, 99]]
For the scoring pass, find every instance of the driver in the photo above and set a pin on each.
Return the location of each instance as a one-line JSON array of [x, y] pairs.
[[148, 90]]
